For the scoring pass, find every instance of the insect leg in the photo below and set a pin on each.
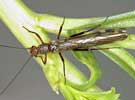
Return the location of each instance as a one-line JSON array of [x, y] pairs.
[[99, 25], [35, 34], [43, 60], [64, 71], [58, 37], [93, 48]]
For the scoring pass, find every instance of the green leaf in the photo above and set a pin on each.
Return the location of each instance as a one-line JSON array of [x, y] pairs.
[[87, 58], [124, 59], [91, 95]]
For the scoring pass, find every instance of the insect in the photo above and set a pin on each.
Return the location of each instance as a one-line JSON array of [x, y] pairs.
[[77, 42]]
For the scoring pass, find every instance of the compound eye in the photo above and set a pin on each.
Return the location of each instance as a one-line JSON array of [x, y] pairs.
[[34, 51]]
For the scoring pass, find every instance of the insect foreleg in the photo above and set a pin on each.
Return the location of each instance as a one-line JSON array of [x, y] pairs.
[[35, 34], [44, 60]]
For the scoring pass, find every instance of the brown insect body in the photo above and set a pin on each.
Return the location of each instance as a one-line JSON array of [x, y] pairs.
[[81, 42]]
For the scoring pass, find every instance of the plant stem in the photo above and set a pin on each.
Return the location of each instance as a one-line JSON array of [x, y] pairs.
[[15, 15]]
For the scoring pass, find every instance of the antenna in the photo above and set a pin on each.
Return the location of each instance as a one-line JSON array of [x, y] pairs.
[[7, 46], [18, 73]]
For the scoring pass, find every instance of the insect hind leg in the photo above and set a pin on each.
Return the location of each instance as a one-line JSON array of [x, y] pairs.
[[64, 70], [99, 25], [94, 48]]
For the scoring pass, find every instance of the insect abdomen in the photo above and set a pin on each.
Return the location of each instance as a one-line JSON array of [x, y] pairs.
[[91, 40]]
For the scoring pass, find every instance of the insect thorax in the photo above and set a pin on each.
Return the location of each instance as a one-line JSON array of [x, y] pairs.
[[44, 48]]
